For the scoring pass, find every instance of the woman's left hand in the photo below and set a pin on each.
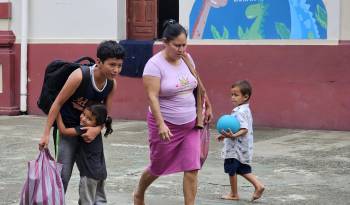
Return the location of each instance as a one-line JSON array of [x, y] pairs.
[[208, 115], [91, 133]]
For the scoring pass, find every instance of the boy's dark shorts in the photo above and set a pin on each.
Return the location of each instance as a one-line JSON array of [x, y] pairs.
[[233, 166]]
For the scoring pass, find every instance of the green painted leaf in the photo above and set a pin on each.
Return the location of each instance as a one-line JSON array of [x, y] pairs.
[[215, 32], [240, 32], [282, 30], [321, 16], [226, 34], [310, 35]]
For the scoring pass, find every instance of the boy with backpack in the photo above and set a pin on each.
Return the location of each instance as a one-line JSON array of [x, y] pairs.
[[84, 85]]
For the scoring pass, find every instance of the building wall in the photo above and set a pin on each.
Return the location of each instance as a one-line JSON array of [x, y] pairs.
[[96, 21], [344, 20], [297, 92], [295, 86], [129, 101], [289, 89], [62, 21], [227, 16]]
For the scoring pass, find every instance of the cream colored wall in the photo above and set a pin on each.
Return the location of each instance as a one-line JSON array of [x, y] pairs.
[[67, 21], [333, 19], [345, 20], [121, 19], [4, 24]]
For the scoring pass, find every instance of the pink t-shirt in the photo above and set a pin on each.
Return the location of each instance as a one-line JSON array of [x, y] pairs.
[[176, 99]]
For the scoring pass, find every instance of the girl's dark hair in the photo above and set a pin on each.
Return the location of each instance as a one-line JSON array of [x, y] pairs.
[[99, 111], [245, 88], [110, 49], [172, 29]]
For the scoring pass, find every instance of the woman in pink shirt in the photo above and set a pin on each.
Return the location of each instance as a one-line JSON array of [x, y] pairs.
[[174, 140]]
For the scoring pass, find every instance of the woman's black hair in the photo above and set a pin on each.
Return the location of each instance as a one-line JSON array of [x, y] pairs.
[[245, 88], [99, 111], [172, 29]]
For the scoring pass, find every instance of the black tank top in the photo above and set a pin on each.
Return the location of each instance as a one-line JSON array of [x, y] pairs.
[[85, 93]]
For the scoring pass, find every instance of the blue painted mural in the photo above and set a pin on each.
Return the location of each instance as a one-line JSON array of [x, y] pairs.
[[258, 19]]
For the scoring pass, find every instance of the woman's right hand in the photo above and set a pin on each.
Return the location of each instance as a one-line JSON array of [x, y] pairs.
[[164, 132]]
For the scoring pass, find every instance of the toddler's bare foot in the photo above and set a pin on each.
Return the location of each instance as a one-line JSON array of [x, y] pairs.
[[138, 200], [258, 193], [230, 196]]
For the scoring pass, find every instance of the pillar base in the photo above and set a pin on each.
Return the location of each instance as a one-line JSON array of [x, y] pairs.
[[9, 110], [8, 102]]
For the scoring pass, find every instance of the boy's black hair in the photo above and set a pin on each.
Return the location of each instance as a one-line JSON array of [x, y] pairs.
[[110, 49], [245, 88], [172, 29], [99, 111]]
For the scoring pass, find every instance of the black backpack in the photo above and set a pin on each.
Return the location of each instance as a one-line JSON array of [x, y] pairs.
[[56, 75]]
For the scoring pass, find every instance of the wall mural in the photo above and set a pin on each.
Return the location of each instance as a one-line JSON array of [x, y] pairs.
[[258, 19]]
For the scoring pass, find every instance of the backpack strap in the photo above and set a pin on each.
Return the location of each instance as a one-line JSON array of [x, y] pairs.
[[86, 76], [85, 69], [90, 60]]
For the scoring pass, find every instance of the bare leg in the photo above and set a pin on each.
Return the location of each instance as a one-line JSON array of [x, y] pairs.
[[139, 194], [233, 195], [259, 187], [190, 186]]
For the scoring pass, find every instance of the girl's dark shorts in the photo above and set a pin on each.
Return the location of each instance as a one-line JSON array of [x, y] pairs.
[[233, 166]]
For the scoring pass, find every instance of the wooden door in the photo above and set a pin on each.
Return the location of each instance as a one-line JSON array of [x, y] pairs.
[[142, 19]]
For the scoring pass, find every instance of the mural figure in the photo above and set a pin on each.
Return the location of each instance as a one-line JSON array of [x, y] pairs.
[[258, 19], [256, 12], [303, 24], [202, 17]]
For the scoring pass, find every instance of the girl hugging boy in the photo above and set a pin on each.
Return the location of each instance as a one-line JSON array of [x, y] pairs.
[[89, 156]]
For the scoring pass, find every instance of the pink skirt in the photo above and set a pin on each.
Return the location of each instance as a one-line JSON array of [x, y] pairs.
[[181, 153]]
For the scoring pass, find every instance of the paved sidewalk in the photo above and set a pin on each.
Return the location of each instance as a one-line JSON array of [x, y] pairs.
[[297, 166]]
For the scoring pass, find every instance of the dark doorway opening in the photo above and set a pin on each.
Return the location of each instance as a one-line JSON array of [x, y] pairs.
[[167, 9]]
